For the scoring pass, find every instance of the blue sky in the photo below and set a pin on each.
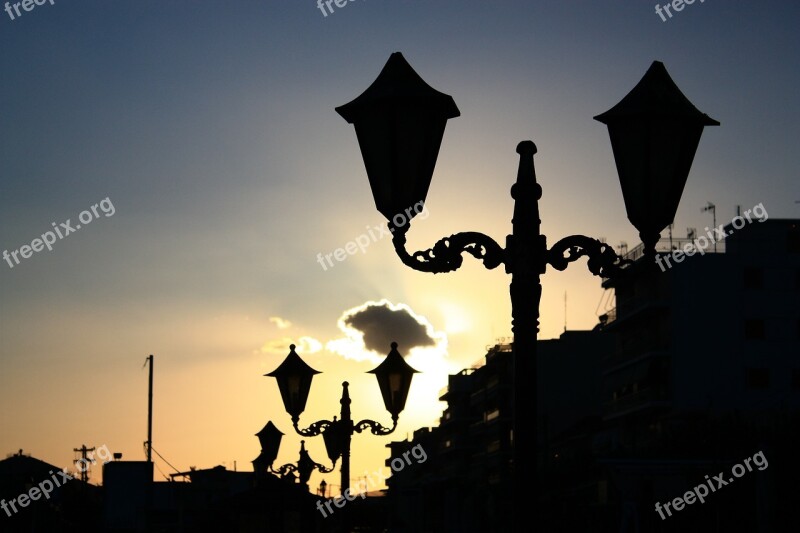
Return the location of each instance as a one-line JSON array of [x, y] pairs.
[[211, 127]]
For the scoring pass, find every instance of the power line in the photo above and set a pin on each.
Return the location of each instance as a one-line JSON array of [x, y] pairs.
[[162, 458]]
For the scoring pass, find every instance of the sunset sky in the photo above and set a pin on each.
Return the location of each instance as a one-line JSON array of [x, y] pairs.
[[210, 127]]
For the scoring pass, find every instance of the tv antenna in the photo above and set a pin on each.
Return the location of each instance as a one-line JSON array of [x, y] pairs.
[[711, 207]]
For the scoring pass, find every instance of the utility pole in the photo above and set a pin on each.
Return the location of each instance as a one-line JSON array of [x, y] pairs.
[[150, 411], [85, 470], [148, 520]]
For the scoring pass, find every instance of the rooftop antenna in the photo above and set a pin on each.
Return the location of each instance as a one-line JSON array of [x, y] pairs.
[[565, 311], [670, 236], [711, 207]]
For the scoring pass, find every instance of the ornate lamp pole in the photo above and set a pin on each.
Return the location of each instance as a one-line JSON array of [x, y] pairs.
[[400, 121], [294, 381]]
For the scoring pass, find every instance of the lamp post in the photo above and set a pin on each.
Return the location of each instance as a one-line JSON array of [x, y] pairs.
[[270, 439], [294, 381], [400, 120], [304, 466]]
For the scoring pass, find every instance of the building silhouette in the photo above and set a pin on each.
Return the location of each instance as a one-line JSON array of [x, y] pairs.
[[695, 369], [465, 485], [70, 505]]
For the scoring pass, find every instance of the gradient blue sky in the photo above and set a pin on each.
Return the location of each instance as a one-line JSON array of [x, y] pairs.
[[211, 127]]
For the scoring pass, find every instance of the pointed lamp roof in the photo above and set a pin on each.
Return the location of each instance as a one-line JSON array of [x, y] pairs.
[[656, 94], [399, 83]]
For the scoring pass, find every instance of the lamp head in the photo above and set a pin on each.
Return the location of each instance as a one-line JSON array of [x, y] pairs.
[[655, 131], [294, 381], [270, 439], [399, 122], [394, 379]]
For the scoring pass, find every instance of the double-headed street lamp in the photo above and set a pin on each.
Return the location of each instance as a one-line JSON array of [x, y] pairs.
[[400, 121], [294, 381]]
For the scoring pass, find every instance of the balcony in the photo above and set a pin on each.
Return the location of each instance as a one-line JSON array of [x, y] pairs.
[[632, 307], [674, 244], [621, 359], [653, 397], [458, 383]]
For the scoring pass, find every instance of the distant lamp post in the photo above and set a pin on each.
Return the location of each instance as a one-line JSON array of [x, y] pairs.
[[400, 120], [294, 381], [270, 439], [304, 466]]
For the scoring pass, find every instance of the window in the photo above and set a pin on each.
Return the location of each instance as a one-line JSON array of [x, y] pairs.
[[754, 329], [757, 378], [753, 278]]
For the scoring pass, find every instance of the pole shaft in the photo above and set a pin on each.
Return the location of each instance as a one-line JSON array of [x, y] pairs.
[[528, 250], [346, 434]]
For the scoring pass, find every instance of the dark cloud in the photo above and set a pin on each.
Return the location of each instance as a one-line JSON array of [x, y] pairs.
[[381, 324]]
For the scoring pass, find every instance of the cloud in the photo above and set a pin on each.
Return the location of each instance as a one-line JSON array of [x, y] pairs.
[[280, 322], [370, 329], [281, 346]]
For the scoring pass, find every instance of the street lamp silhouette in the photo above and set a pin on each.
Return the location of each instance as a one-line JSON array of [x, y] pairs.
[[655, 131], [294, 382], [400, 121], [270, 439]]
